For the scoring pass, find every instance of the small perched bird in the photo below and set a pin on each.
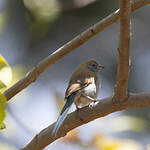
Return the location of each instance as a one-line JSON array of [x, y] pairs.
[[82, 90]]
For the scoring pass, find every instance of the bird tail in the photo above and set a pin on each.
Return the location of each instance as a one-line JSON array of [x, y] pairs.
[[63, 114]]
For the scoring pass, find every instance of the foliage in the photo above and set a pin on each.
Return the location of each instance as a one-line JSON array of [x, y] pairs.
[[5, 73], [2, 110], [5, 80]]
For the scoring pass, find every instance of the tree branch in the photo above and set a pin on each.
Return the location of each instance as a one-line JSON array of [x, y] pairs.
[[66, 49], [86, 114], [123, 52]]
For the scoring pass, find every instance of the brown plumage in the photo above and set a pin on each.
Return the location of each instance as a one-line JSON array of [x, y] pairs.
[[81, 78], [82, 89]]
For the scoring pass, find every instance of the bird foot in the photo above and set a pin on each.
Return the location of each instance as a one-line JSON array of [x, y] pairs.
[[92, 104]]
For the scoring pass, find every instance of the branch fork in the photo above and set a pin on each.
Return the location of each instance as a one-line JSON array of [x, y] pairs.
[[123, 70], [105, 106]]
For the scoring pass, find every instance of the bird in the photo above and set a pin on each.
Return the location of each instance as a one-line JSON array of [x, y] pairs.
[[82, 89]]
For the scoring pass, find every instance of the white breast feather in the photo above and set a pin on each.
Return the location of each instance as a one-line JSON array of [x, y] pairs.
[[90, 90]]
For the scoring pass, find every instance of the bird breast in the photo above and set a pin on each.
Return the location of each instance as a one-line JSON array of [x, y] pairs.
[[91, 90]]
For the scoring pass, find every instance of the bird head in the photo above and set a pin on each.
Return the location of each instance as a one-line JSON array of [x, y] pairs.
[[94, 66]]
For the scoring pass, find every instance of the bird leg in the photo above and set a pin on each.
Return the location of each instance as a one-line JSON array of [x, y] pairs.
[[92, 104], [93, 101], [90, 98]]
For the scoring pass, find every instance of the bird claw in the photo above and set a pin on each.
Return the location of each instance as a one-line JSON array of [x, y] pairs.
[[92, 104]]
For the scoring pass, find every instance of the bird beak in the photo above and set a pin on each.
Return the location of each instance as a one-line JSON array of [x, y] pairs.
[[100, 67]]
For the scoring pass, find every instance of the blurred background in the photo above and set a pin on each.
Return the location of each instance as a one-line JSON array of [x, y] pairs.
[[30, 30]]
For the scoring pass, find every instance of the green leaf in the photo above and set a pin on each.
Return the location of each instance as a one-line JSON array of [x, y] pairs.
[[3, 102], [5, 73]]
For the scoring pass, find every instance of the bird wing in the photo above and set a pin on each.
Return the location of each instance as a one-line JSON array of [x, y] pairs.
[[80, 79], [77, 85]]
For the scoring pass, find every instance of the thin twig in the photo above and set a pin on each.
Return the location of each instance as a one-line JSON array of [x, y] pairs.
[[86, 114], [123, 52], [66, 49]]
